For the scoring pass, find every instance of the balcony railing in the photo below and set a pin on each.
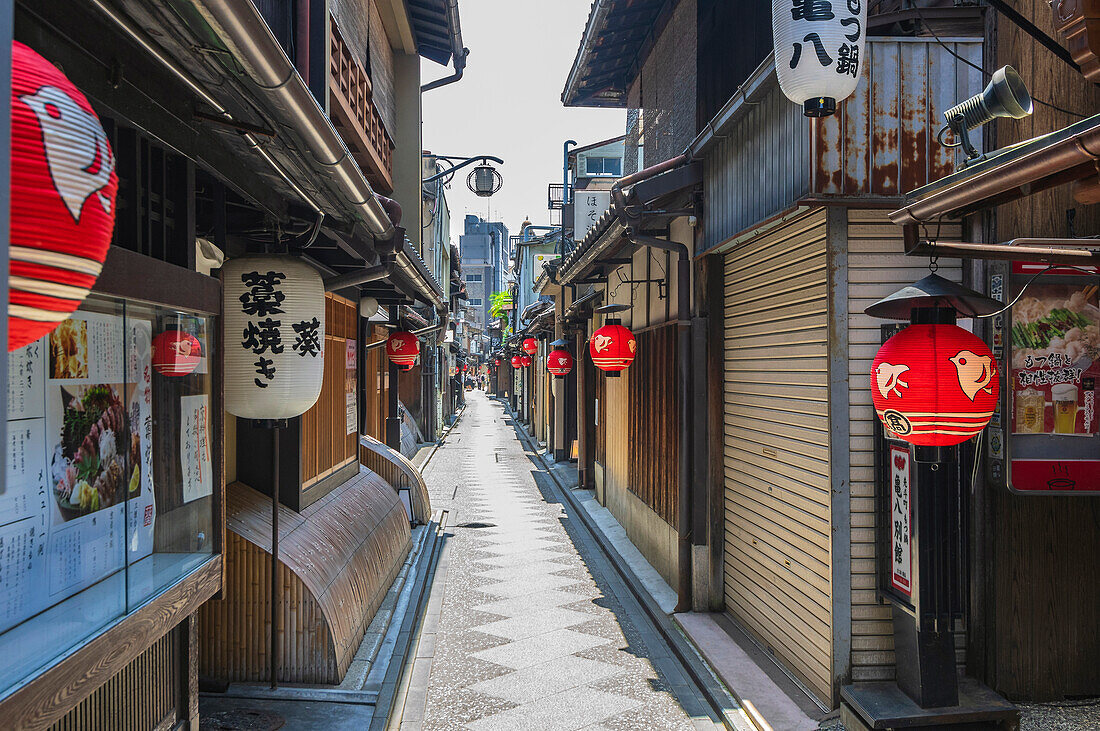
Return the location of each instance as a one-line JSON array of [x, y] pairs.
[[554, 195], [352, 110]]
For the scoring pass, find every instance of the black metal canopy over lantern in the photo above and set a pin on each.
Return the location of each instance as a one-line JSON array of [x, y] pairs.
[[484, 180], [933, 291]]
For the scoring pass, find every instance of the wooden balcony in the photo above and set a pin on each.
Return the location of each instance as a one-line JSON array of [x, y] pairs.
[[352, 111]]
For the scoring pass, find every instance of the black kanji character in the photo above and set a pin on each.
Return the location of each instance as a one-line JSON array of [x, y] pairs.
[[266, 368], [812, 10], [854, 35], [897, 554], [259, 338], [854, 6], [263, 298], [308, 342], [847, 61], [822, 55]]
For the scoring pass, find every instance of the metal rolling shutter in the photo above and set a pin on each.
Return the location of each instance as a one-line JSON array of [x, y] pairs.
[[777, 485]]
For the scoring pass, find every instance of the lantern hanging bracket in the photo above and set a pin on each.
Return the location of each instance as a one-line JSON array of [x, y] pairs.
[[1017, 250]]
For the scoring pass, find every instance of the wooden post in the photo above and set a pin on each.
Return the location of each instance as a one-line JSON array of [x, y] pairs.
[[276, 593]]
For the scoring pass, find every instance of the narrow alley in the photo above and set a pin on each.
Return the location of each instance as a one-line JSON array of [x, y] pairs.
[[534, 632]]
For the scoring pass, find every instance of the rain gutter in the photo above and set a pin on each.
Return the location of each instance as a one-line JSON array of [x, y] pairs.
[[458, 52], [999, 180], [243, 30]]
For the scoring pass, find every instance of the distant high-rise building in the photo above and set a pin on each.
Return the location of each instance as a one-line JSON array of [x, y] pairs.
[[484, 251]]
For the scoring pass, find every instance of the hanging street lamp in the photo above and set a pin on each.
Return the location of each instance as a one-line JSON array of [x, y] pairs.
[[483, 181], [402, 348], [613, 346], [560, 363], [819, 51], [63, 190]]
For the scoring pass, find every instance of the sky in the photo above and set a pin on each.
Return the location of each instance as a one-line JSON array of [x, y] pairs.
[[508, 104]]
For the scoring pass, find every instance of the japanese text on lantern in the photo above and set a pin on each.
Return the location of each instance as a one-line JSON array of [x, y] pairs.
[[900, 515], [846, 61], [262, 334]]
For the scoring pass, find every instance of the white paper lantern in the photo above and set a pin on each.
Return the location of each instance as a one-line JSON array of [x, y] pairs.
[[819, 47], [274, 327]]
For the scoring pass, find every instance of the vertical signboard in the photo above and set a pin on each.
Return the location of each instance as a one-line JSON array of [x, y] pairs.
[[901, 521], [351, 402], [588, 206]]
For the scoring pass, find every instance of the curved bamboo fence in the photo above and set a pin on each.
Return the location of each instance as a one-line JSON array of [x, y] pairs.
[[399, 472], [338, 559]]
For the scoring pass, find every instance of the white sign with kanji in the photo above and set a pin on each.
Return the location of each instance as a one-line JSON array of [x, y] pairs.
[[901, 528], [588, 206]]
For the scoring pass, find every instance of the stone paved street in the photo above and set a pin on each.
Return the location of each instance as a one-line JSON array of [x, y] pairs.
[[531, 634]]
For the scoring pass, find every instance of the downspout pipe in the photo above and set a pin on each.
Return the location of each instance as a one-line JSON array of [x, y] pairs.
[[565, 173], [240, 26], [458, 52], [685, 494]]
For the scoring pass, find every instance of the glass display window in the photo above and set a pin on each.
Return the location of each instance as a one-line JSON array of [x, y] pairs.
[[109, 494]]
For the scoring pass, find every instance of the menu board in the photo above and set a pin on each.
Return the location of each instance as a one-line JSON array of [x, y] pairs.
[[195, 464], [351, 403], [1055, 360], [1054, 366], [79, 486]]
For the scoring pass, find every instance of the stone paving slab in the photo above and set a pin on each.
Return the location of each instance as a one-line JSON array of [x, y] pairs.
[[530, 635]]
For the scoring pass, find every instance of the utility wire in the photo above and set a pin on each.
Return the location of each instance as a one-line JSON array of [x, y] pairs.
[[986, 74]]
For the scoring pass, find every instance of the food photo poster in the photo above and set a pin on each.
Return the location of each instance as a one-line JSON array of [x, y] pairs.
[[1056, 360], [79, 488]]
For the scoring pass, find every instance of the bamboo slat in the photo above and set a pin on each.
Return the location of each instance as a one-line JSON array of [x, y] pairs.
[[397, 470], [337, 560]]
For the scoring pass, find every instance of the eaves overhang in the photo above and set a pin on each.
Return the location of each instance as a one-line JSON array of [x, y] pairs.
[[616, 36]]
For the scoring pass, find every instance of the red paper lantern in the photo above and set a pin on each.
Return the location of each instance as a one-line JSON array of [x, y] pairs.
[[63, 189], [530, 346], [496, 362], [934, 385], [525, 360], [402, 349], [559, 362], [612, 348], [517, 362], [176, 353]]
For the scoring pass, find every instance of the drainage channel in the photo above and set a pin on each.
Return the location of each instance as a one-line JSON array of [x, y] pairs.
[[725, 711]]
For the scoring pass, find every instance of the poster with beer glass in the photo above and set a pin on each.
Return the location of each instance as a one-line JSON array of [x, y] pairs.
[[1054, 335]]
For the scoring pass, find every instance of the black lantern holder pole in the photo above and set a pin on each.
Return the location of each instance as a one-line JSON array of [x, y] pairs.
[[924, 643], [276, 588]]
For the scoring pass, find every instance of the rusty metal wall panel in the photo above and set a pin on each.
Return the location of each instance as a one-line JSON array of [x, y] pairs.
[[882, 140], [758, 169]]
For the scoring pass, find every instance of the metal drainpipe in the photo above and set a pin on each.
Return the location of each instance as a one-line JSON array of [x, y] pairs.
[[683, 368], [565, 176], [683, 377], [393, 419], [458, 52]]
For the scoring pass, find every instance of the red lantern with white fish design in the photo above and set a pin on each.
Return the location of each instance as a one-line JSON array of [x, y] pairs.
[[612, 348], [402, 348], [934, 385], [63, 189], [560, 363], [530, 346], [176, 353]]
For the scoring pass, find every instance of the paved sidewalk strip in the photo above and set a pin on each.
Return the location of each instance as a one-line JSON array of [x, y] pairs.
[[530, 638]]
